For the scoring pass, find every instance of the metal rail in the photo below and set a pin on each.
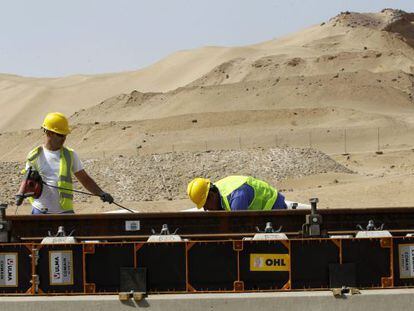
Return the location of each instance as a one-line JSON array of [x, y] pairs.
[[206, 224]]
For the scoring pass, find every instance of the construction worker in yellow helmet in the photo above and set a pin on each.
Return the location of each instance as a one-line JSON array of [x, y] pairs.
[[56, 165], [235, 193]]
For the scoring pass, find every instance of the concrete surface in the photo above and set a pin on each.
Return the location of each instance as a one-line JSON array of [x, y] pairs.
[[378, 300]]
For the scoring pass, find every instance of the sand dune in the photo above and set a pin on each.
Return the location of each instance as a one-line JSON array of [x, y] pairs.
[[354, 71], [374, 42]]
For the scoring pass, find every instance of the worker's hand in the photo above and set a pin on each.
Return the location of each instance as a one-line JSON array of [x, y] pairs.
[[106, 197]]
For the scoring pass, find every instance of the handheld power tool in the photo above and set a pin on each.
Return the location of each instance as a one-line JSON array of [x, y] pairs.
[[32, 186]]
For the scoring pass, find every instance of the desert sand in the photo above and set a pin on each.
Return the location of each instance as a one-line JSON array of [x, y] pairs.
[[339, 92]]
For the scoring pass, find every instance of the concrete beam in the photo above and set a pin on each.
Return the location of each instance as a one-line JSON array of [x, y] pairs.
[[378, 300]]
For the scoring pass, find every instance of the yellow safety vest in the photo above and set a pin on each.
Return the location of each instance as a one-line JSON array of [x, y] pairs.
[[65, 175], [264, 194]]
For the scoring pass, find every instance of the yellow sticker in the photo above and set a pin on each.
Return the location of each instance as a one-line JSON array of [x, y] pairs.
[[269, 262]]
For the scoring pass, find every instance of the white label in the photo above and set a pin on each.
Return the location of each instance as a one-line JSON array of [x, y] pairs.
[[406, 257], [165, 238], [58, 240], [270, 236], [61, 267], [132, 225], [8, 270], [373, 234]]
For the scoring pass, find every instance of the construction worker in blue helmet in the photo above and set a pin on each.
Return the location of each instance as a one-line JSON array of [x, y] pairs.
[[56, 164], [235, 193]]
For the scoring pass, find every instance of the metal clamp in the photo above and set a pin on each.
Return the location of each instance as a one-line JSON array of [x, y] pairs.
[[61, 232], [312, 225], [5, 225], [372, 232], [165, 235], [137, 296], [371, 226], [269, 229], [165, 230], [35, 256], [35, 281], [344, 290]]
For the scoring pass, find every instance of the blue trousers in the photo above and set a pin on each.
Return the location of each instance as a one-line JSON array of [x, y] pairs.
[[280, 202]]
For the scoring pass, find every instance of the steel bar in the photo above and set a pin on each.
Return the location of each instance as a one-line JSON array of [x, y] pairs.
[[204, 223]]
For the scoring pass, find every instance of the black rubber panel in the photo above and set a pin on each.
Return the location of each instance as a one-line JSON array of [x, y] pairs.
[[342, 275], [165, 265], [132, 279], [104, 266], [212, 266], [371, 260], [310, 260]]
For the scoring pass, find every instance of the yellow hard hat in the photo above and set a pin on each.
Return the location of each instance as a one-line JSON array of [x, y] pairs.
[[56, 122], [197, 190]]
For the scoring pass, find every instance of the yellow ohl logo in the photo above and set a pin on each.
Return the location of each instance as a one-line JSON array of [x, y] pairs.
[[269, 262]]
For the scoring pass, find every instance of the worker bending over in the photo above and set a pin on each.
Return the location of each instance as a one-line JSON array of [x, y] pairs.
[[235, 193], [56, 164]]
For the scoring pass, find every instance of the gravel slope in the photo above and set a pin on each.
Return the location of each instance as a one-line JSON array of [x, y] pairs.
[[165, 176]]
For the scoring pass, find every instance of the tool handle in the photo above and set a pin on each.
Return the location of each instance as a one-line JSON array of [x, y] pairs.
[[19, 199]]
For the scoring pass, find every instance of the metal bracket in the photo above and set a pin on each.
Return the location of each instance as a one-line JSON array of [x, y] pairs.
[[164, 230], [35, 256], [35, 281], [60, 237], [165, 235], [312, 226], [268, 233], [269, 229], [5, 225], [341, 292], [137, 296], [372, 232], [371, 226]]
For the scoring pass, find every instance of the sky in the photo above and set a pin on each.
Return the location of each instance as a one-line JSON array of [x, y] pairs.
[[53, 38]]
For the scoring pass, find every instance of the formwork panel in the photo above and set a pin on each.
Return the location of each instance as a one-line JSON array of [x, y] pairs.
[[212, 266], [165, 264], [60, 268], [103, 263], [403, 262], [310, 260], [15, 268], [264, 265], [372, 259]]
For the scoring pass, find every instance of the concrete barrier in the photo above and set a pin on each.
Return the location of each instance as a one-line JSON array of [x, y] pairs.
[[378, 300]]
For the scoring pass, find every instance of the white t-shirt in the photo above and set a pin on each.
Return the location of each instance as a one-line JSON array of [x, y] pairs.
[[49, 166]]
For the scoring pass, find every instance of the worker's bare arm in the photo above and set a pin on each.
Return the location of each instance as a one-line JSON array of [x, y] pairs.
[[88, 182]]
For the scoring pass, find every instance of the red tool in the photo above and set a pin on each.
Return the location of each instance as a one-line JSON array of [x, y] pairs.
[[31, 186]]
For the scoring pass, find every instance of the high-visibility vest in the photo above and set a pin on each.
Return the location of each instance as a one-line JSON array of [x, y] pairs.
[[65, 175], [264, 194]]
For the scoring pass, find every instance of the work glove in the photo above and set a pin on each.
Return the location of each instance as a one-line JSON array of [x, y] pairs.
[[106, 197]]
